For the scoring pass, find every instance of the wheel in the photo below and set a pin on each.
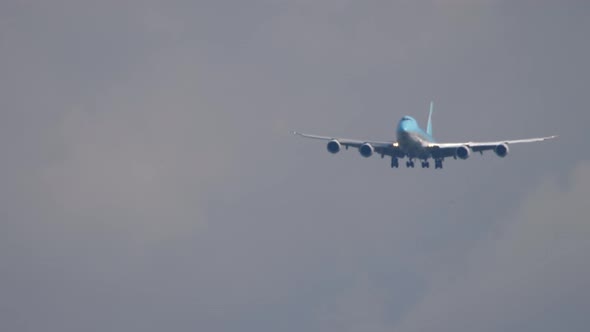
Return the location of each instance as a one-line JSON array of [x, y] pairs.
[[438, 163], [394, 162]]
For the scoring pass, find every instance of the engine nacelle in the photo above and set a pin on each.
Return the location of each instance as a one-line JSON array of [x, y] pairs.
[[463, 152], [334, 146], [501, 150], [366, 150]]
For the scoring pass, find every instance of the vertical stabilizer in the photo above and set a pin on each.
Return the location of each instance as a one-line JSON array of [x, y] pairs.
[[429, 125]]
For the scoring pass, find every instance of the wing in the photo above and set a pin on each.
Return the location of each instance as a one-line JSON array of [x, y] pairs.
[[442, 150], [380, 147]]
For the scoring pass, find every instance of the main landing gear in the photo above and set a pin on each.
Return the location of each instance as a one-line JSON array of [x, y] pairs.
[[394, 162], [424, 164], [438, 163]]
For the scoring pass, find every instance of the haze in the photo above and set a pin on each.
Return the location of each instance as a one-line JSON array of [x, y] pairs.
[[149, 181]]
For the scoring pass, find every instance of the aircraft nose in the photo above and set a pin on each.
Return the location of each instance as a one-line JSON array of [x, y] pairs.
[[403, 125]]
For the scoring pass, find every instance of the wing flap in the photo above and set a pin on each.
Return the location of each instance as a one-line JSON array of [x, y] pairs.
[[381, 147], [448, 149], [491, 144], [345, 141]]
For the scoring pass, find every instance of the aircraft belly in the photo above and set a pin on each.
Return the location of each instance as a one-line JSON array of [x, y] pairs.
[[412, 146]]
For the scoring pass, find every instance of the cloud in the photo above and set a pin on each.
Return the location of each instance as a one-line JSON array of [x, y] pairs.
[[149, 181], [533, 276], [142, 155]]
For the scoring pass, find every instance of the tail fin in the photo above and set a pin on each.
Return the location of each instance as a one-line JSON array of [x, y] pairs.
[[429, 125]]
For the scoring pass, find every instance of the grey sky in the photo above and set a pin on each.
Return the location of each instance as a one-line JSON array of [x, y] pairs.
[[149, 182]]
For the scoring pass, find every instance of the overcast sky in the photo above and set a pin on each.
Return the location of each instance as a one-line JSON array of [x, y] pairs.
[[149, 181]]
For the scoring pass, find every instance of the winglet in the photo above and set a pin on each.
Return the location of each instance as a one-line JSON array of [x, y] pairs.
[[429, 125]]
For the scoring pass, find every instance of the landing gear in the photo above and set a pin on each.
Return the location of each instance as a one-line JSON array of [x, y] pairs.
[[394, 162], [438, 163]]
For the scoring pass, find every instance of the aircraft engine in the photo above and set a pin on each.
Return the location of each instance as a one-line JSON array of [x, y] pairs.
[[463, 152], [366, 150], [334, 146], [501, 150]]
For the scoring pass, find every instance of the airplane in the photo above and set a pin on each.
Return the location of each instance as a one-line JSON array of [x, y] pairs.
[[415, 143]]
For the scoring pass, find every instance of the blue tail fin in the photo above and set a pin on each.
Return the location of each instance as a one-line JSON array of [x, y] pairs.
[[429, 125]]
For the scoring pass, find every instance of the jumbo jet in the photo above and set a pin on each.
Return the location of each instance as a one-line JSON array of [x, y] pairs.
[[415, 143]]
